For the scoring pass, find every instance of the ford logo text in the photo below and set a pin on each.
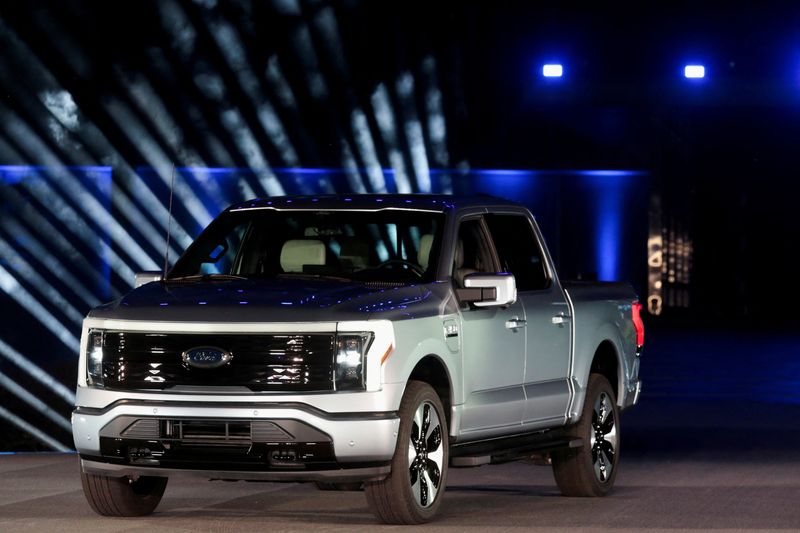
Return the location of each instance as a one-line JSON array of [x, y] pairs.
[[206, 357]]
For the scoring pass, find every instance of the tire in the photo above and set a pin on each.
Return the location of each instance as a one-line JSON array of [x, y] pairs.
[[345, 487], [122, 496], [413, 491], [591, 469]]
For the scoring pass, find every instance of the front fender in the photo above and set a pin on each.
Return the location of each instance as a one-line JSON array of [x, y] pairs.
[[419, 338]]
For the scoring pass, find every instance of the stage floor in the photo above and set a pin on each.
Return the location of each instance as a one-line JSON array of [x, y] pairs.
[[687, 488], [711, 446]]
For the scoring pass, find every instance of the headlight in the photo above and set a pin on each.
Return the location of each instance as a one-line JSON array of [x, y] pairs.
[[350, 353], [94, 358]]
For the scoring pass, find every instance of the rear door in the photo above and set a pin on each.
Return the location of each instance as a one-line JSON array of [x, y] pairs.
[[548, 325]]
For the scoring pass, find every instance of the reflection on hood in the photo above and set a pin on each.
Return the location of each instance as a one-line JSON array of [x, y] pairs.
[[286, 300]]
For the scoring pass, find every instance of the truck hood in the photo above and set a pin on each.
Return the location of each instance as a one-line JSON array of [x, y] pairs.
[[286, 300]]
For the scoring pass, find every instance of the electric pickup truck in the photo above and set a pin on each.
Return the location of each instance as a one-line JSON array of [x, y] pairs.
[[365, 342]]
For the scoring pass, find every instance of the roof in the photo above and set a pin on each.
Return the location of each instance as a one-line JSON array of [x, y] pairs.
[[427, 202]]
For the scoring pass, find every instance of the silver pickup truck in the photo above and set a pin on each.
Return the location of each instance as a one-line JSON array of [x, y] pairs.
[[360, 342]]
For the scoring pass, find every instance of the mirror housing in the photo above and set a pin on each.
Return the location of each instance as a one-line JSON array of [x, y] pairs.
[[146, 277], [489, 289]]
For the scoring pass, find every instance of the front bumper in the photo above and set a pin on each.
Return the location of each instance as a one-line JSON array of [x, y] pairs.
[[342, 475], [280, 440]]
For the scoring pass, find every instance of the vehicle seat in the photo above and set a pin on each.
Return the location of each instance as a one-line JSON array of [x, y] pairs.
[[459, 270], [299, 253], [424, 253]]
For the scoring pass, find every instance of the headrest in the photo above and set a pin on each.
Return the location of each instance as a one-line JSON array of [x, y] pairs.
[[297, 253], [424, 254], [458, 259]]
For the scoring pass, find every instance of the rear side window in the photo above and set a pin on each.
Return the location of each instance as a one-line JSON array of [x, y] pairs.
[[519, 251]]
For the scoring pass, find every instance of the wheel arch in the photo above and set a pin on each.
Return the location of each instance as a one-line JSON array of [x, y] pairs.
[[607, 362], [599, 349], [433, 371]]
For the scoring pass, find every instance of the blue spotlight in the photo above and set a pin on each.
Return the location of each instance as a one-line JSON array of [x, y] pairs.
[[694, 71], [552, 70]]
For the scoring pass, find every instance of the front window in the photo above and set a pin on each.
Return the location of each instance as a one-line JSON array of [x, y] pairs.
[[386, 246], [519, 251]]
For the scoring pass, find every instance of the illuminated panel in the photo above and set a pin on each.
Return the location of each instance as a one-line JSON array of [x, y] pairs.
[[501, 182], [669, 261], [694, 71], [655, 284], [610, 188], [552, 70]]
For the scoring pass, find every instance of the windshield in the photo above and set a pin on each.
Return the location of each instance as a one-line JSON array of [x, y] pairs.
[[386, 246]]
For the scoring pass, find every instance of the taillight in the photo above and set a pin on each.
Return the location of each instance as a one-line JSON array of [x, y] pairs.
[[637, 323]]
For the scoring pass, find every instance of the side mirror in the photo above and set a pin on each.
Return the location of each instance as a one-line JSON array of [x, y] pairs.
[[489, 290], [146, 277]]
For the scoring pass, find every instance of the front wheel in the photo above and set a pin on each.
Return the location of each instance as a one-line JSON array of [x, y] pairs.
[[123, 496], [412, 493], [591, 469]]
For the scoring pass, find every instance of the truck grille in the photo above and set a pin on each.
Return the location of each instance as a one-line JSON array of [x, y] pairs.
[[136, 360]]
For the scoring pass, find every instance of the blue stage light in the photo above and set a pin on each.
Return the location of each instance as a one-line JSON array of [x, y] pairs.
[[552, 70], [694, 71]]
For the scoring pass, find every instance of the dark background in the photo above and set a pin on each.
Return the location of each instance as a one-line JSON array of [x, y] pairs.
[[98, 100]]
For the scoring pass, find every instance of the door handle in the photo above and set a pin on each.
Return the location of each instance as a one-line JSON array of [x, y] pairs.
[[516, 323], [561, 319]]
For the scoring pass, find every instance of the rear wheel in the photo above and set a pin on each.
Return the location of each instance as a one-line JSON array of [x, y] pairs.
[[591, 469], [412, 493], [123, 496]]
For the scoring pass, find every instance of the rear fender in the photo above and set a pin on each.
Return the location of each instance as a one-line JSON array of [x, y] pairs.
[[584, 356]]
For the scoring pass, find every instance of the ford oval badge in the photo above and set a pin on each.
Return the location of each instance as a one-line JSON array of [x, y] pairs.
[[206, 357]]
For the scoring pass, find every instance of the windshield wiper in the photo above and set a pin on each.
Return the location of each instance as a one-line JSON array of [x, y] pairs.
[[205, 277]]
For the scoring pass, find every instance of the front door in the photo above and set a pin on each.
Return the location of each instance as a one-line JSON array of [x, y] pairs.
[[492, 344]]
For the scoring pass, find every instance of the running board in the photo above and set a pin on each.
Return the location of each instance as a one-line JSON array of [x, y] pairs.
[[508, 449]]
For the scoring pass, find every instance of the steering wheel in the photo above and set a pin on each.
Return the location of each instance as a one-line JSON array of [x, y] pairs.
[[394, 263]]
